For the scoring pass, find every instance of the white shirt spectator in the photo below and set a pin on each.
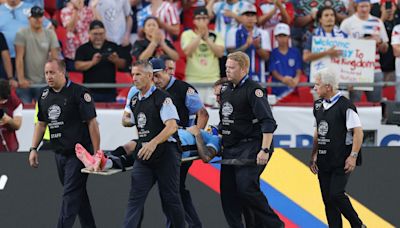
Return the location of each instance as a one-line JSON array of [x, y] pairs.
[[224, 24], [357, 28], [113, 15]]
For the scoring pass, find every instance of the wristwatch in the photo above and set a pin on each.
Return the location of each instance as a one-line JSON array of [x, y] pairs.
[[32, 148], [266, 150], [354, 154]]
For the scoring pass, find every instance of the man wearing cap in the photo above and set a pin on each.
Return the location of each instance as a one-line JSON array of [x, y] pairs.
[[202, 48], [191, 111], [254, 41], [362, 25], [14, 17], [33, 45], [285, 65], [99, 59]]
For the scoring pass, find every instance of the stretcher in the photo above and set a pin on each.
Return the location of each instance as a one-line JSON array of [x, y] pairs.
[[109, 172]]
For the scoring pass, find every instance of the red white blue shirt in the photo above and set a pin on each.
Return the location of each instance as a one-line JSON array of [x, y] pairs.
[[237, 38], [166, 13], [357, 28]]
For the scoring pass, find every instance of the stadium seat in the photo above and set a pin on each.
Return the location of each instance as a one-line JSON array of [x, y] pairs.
[[389, 92], [123, 78], [181, 63], [76, 77], [50, 6]]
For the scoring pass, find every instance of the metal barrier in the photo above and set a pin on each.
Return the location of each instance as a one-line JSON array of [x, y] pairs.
[[208, 85]]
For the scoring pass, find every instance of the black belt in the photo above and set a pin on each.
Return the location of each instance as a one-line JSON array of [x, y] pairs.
[[249, 140]]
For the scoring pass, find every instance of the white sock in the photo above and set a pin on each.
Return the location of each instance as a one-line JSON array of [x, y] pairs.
[[108, 165]]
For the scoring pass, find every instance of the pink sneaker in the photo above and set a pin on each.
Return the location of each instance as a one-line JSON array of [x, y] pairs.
[[84, 156], [100, 161]]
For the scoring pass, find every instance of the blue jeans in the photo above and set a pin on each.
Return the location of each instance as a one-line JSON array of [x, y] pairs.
[[372, 96], [28, 95]]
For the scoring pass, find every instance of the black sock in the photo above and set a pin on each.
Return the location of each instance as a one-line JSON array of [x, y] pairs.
[[119, 151]]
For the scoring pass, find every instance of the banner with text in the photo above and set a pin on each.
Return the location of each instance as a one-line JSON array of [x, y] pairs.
[[356, 64]]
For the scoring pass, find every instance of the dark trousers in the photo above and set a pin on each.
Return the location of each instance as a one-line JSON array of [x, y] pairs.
[[75, 200], [144, 176], [191, 216], [332, 184], [241, 193]]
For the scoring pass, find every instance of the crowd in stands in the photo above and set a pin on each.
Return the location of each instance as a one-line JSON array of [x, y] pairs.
[[99, 40]]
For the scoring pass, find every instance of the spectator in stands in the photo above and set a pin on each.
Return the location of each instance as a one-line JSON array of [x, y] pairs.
[[188, 8], [116, 16], [154, 43], [396, 53], [254, 41], [136, 7], [10, 117], [99, 59], [14, 17], [362, 25], [326, 17], [6, 70], [285, 66], [274, 12], [385, 10], [202, 48], [166, 14], [227, 16], [75, 18], [33, 45], [306, 13]]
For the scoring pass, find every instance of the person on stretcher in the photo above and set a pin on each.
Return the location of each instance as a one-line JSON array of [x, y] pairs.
[[194, 142]]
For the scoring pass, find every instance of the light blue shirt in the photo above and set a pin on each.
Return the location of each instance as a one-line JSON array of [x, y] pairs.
[[187, 139], [167, 112], [36, 3], [131, 93], [14, 19]]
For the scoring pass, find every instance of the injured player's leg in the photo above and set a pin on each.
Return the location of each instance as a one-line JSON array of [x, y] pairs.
[[85, 157], [116, 159]]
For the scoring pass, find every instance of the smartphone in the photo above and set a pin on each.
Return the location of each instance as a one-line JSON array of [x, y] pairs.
[[1, 113], [106, 54], [388, 5]]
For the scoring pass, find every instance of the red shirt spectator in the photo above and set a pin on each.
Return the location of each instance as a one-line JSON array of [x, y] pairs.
[[76, 18], [10, 118]]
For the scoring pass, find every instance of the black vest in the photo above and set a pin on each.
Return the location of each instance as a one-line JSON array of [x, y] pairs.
[[237, 119], [62, 112], [148, 120], [178, 92], [331, 128]]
